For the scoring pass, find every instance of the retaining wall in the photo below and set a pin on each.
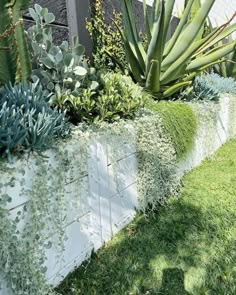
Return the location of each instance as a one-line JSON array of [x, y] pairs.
[[96, 208]]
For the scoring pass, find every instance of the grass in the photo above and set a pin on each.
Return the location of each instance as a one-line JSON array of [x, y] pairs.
[[188, 247]]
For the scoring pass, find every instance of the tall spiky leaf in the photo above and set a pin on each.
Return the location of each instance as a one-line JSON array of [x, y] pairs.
[[188, 36]]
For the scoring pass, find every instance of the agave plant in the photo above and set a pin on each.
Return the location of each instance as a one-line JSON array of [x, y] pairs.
[[15, 62], [167, 66], [227, 68]]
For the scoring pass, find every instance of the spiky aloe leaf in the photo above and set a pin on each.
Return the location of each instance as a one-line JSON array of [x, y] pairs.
[[212, 57], [147, 21], [132, 33], [134, 64], [153, 82], [156, 45], [231, 65], [169, 5], [172, 72], [179, 28], [188, 35], [173, 89]]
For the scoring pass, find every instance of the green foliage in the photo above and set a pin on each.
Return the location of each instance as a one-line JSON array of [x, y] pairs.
[[185, 248], [107, 44], [166, 67], [118, 97], [14, 56], [157, 178], [226, 68], [26, 120], [200, 90], [61, 70], [179, 122], [209, 87], [221, 84], [27, 234]]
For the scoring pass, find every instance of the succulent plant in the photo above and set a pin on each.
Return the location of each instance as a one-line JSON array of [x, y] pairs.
[[26, 119], [60, 69], [167, 66], [15, 64]]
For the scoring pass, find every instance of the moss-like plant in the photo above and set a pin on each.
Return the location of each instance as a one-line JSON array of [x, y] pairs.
[[179, 122]]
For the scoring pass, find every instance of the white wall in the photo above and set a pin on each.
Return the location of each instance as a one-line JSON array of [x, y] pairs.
[[99, 209]]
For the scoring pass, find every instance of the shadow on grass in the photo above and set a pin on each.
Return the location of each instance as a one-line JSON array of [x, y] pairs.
[[173, 282], [150, 256], [188, 247]]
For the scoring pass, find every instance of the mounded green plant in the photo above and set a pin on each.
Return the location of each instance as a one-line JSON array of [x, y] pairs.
[[15, 62], [60, 69], [180, 123], [26, 119], [117, 97], [167, 66]]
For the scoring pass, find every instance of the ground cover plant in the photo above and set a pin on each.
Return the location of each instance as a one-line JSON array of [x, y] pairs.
[[180, 123], [188, 247]]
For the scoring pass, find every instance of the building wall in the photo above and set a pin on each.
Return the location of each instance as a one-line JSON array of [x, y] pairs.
[[71, 15], [60, 26]]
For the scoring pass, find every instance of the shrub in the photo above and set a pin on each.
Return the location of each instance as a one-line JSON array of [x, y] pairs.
[[103, 36], [179, 122], [200, 90], [26, 120], [118, 97]]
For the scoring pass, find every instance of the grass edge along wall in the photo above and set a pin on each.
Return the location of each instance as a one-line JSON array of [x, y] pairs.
[[88, 195]]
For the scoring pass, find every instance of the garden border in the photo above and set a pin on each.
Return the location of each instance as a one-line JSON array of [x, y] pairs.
[[96, 206]]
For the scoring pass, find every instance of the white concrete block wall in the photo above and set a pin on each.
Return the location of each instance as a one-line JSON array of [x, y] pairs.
[[106, 208]]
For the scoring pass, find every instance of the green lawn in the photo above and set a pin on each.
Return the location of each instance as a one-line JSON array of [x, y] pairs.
[[188, 247]]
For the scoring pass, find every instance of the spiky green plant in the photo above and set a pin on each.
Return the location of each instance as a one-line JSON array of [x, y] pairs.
[[167, 66], [14, 56], [26, 119], [227, 68]]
